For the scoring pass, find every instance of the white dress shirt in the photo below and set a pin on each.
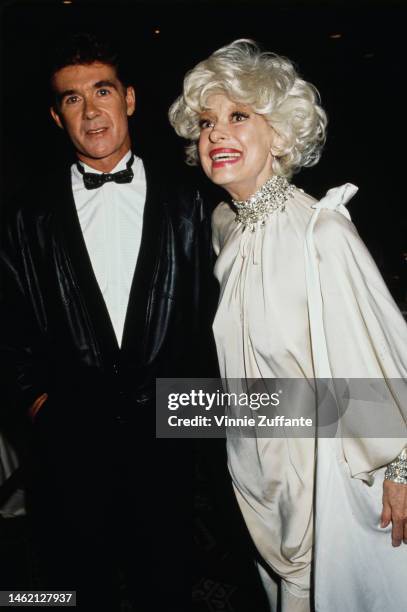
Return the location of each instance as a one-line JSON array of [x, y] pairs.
[[111, 218]]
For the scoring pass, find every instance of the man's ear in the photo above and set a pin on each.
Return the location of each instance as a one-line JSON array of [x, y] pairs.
[[130, 100], [56, 117]]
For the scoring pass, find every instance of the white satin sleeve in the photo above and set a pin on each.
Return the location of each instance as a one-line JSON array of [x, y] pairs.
[[357, 330]]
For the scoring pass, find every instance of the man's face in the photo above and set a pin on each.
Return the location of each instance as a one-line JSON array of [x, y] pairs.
[[93, 108]]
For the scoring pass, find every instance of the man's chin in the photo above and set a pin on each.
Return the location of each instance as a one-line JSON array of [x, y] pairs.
[[94, 154]]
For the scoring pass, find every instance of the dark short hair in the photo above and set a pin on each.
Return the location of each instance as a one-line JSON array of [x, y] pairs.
[[84, 48]]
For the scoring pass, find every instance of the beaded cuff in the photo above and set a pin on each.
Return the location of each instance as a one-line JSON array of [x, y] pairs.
[[396, 471]]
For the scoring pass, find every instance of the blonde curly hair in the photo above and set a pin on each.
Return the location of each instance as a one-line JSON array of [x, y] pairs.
[[271, 86]]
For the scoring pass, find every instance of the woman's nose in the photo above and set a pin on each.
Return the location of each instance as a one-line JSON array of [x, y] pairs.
[[219, 132]]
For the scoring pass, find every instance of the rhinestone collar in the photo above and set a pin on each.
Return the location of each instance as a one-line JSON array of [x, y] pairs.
[[272, 196]]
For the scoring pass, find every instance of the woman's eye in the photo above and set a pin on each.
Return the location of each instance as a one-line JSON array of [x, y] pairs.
[[205, 123], [238, 116]]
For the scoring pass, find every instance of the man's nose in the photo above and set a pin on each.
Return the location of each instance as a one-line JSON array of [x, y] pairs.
[[90, 109]]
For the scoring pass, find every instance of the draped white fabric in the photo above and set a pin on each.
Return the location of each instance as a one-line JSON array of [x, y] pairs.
[[301, 298]]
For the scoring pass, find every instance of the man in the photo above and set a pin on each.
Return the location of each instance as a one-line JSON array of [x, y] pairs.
[[100, 296]]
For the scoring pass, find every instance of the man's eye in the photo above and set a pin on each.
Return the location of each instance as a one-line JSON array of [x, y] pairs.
[[205, 123], [71, 99], [238, 116], [103, 92]]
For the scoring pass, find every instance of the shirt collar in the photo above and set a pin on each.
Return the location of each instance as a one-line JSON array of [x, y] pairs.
[[77, 178], [121, 165]]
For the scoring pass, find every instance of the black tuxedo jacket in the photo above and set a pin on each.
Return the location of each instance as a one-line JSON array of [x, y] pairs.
[[56, 336]]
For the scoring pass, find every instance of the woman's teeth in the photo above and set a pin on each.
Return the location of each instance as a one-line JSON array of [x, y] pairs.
[[224, 156]]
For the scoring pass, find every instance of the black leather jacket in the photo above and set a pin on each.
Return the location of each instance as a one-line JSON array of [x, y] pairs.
[[56, 336]]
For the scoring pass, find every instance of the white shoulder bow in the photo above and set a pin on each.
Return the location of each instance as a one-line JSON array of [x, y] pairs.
[[335, 199]]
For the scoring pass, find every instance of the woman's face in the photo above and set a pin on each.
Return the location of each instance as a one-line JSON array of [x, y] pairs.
[[235, 146]]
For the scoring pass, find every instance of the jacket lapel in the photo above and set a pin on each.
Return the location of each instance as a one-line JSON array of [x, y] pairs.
[[135, 325], [70, 235]]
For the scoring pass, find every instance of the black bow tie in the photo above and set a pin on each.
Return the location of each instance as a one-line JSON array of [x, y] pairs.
[[92, 180]]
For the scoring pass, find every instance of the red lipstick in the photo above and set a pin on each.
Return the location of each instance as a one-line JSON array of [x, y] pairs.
[[223, 156]]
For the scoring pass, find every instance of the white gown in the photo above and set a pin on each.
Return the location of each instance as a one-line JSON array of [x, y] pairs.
[[301, 298]]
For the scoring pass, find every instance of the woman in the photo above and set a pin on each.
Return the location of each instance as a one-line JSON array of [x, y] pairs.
[[301, 298]]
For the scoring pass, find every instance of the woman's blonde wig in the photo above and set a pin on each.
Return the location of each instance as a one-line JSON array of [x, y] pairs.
[[271, 86]]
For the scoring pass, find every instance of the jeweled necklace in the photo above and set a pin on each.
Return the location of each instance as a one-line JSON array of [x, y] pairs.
[[272, 196]]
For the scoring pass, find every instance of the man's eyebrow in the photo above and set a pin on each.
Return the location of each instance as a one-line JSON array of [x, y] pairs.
[[71, 92], [63, 94], [105, 84]]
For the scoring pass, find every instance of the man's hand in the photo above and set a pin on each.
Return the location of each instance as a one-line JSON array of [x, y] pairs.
[[395, 510]]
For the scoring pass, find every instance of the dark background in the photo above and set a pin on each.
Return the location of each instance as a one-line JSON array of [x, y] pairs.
[[353, 52]]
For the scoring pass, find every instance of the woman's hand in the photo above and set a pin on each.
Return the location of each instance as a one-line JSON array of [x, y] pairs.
[[395, 510]]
